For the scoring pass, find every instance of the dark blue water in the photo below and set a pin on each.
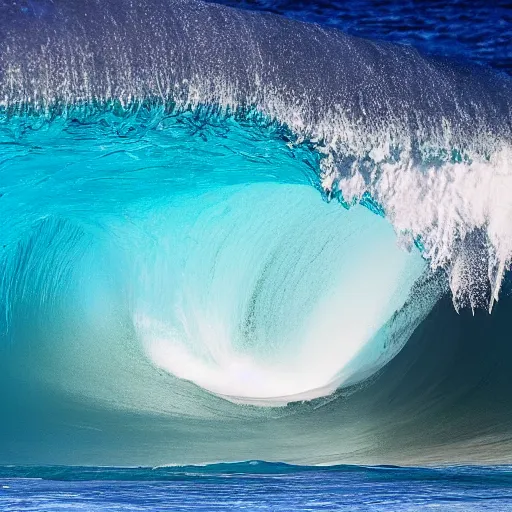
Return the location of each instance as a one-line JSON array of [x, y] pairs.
[[257, 486], [479, 30]]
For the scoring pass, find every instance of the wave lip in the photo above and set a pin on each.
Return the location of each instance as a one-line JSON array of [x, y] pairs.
[[428, 140]]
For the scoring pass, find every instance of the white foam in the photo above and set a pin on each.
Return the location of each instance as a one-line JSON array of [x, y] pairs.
[[445, 206], [313, 311]]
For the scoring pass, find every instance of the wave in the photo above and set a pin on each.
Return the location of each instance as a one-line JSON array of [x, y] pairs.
[[380, 113], [494, 475], [171, 272]]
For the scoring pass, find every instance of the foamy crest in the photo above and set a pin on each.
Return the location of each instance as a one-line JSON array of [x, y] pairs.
[[458, 212]]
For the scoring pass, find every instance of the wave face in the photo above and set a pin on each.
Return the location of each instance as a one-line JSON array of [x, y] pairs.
[[178, 268]]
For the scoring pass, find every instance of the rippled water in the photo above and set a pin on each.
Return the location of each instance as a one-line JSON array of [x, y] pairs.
[[257, 486]]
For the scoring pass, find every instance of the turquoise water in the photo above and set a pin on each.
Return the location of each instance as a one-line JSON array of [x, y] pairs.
[[185, 254]]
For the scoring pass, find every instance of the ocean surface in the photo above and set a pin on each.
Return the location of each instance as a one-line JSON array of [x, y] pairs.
[[256, 486], [278, 232]]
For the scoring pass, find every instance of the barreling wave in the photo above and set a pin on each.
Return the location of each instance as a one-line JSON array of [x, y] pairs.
[[428, 140], [168, 259]]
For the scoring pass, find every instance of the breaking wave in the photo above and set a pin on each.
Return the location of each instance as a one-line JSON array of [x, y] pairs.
[[203, 221]]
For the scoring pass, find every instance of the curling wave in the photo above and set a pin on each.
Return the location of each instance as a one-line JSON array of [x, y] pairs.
[[168, 257]]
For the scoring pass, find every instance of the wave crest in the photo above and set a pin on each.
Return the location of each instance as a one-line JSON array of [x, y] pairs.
[[429, 140]]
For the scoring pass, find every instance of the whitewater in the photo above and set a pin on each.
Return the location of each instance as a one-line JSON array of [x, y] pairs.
[[237, 236]]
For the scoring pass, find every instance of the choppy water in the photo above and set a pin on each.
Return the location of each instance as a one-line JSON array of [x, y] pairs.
[[257, 486]]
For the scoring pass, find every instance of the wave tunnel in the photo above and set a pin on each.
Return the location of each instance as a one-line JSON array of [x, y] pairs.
[[217, 245]]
